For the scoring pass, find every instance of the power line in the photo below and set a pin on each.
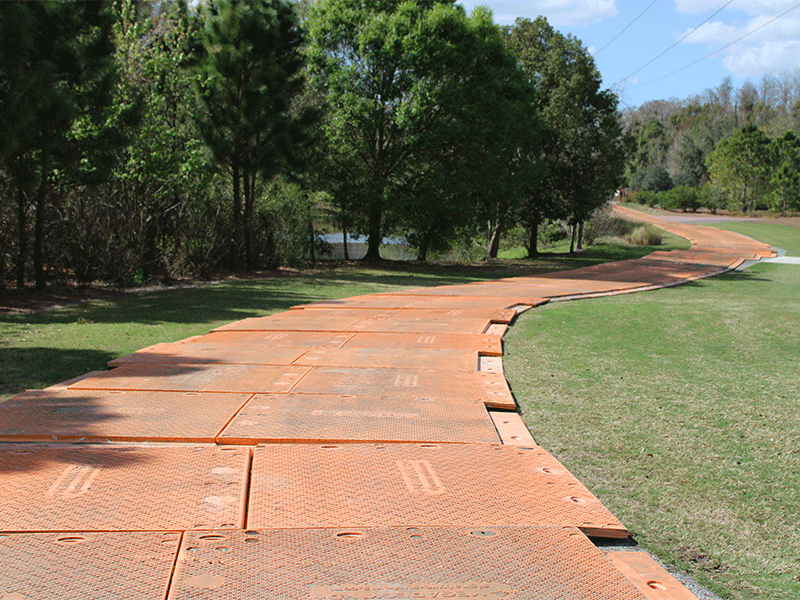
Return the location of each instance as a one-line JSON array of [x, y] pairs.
[[720, 49], [625, 28], [675, 44]]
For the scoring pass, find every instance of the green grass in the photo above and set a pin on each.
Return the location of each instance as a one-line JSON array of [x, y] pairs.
[[678, 408], [42, 348]]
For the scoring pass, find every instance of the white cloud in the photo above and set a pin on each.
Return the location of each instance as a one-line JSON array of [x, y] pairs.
[[772, 47], [768, 57], [750, 7], [559, 13]]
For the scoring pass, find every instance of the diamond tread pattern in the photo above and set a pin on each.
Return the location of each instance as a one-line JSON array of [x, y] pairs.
[[113, 488], [86, 566], [483, 344], [366, 485], [330, 418], [395, 563], [113, 415]]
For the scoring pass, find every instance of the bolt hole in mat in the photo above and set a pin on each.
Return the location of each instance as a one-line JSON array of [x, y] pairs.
[[116, 487], [87, 565], [392, 563], [371, 485]]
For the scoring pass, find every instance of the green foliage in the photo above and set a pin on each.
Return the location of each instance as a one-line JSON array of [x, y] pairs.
[[740, 165], [248, 74], [582, 148], [652, 178], [681, 198], [785, 181]]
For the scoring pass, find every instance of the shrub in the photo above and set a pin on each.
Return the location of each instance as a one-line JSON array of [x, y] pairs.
[[645, 235], [681, 198], [652, 178], [604, 224], [553, 233]]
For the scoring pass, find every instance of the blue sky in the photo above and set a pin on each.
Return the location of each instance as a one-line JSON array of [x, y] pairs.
[[772, 50]]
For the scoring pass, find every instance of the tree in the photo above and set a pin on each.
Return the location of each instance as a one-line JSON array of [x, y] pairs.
[[249, 73], [582, 144], [785, 181], [54, 89], [741, 164], [401, 80]]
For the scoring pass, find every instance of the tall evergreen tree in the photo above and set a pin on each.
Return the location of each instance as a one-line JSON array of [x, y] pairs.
[[249, 73]]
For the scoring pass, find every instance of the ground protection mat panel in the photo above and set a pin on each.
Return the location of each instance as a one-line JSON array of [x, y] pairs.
[[370, 485], [489, 388], [400, 300], [176, 377], [436, 321], [87, 566], [111, 488], [512, 430], [650, 578], [324, 418], [271, 339], [394, 564], [99, 415], [396, 358], [483, 344], [200, 352], [306, 320]]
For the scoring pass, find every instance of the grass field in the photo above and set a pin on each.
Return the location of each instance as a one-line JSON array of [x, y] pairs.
[[679, 409]]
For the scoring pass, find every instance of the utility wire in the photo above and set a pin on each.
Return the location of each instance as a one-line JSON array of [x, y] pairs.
[[625, 28], [720, 49], [675, 44]]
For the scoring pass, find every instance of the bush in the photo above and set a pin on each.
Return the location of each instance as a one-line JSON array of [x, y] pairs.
[[553, 233], [645, 235], [604, 224], [652, 178], [681, 198], [646, 198]]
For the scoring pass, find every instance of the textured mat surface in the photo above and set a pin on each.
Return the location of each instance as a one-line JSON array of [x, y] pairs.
[[364, 485], [394, 563], [327, 417], [111, 488]]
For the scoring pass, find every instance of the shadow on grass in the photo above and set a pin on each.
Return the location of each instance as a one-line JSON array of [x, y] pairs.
[[36, 367]]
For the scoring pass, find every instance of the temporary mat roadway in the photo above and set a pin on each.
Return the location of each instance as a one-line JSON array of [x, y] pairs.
[[346, 450]]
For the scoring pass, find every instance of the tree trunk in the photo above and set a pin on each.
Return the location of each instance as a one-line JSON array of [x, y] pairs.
[[248, 219], [425, 244], [374, 238], [744, 198], [38, 229], [533, 245], [580, 235], [494, 242], [23, 234], [572, 239], [237, 218]]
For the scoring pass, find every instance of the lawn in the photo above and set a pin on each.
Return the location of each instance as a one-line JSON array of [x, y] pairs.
[[44, 347], [678, 408]]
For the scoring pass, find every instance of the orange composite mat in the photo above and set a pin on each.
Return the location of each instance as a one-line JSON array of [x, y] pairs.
[[115, 487], [271, 339], [177, 377], [484, 344], [489, 388], [650, 578], [204, 352], [395, 563], [313, 418], [401, 299], [87, 566], [102, 415], [398, 358], [371, 485]]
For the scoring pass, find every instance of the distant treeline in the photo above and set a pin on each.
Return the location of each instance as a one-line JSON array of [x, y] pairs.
[[726, 148]]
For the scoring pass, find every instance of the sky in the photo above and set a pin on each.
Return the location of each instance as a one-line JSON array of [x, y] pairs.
[[625, 35]]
